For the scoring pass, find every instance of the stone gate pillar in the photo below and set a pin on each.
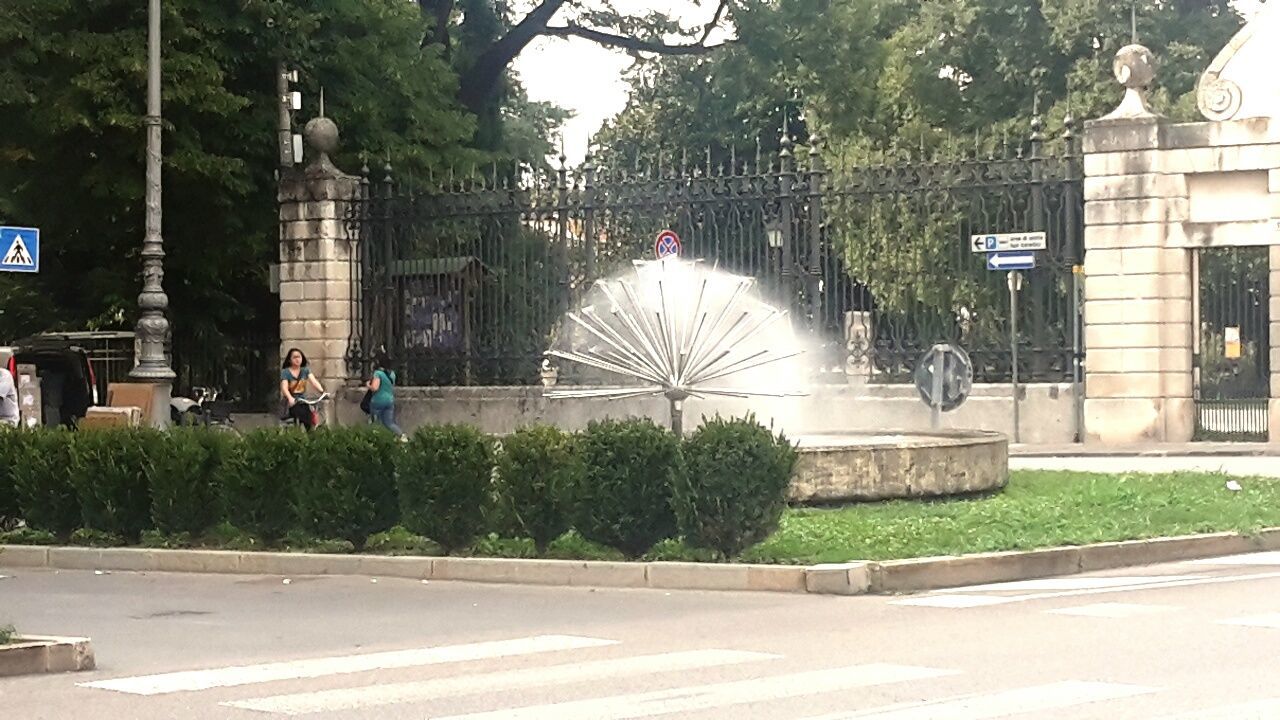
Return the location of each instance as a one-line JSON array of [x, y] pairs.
[[1138, 294], [317, 250]]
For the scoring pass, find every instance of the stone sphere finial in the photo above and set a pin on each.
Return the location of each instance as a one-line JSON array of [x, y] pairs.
[[321, 135], [1135, 67]]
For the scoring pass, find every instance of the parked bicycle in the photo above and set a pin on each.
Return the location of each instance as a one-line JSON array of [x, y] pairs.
[[202, 409]]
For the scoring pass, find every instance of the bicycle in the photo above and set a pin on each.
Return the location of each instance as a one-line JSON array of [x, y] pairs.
[[317, 418]]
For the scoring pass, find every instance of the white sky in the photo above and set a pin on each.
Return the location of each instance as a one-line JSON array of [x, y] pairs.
[[585, 78]]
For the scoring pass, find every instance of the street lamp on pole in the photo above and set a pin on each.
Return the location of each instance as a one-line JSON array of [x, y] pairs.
[[153, 327]]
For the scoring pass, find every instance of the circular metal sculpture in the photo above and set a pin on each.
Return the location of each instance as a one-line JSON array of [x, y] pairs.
[[944, 377]]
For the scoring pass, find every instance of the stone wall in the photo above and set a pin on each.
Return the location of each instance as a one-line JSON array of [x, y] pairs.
[[1047, 410]]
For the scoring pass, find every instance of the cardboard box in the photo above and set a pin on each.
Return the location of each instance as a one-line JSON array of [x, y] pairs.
[[111, 417]]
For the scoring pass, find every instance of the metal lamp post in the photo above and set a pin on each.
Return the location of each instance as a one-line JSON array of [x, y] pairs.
[[153, 327]]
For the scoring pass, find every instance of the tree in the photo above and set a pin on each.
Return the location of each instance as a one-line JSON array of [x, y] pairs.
[[72, 79]]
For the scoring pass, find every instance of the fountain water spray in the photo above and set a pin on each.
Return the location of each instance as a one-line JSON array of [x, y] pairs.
[[676, 326]]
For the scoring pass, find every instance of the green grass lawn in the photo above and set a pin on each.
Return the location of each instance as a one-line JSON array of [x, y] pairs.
[[1037, 509]]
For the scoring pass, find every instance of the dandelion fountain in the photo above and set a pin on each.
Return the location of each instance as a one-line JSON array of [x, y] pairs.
[[677, 328], [682, 329]]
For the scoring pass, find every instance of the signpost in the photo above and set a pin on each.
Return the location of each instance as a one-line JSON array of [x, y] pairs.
[[666, 245], [1009, 241], [943, 377], [1011, 253], [20, 248]]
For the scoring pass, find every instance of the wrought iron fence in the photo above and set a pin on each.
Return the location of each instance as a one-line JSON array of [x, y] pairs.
[[1232, 365], [465, 280]]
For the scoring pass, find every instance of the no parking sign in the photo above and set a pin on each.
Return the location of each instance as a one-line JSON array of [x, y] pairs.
[[667, 245]]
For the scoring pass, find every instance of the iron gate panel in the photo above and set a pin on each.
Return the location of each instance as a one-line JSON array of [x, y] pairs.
[[1232, 356], [465, 281]]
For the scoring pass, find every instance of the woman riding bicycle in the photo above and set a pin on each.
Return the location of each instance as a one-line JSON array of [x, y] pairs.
[[295, 378]]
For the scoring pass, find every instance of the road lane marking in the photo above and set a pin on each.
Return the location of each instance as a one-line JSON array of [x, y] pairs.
[[1074, 583], [318, 667], [954, 601], [696, 698], [1271, 620], [1257, 710], [1107, 590], [581, 672], [1110, 610], [1262, 558], [1040, 698]]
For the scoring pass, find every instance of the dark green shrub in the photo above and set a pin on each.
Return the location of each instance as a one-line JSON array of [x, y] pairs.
[[11, 441], [495, 546], [111, 471], [346, 483], [42, 478], [572, 546], [445, 481], [225, 536], [27, 536], [735, 487], [624, 497], [538, 467], [186, 495], [258, 480]]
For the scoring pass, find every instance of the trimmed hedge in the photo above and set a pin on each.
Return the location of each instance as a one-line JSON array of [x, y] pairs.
[[624, 497], [186, 480], [538, 468], [346, 484], [621, 486], [46, 498], [735, 490], [444, 480], [258, 480]]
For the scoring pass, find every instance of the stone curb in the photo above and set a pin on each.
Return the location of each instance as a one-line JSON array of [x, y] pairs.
[[853, 578], [34, 654]]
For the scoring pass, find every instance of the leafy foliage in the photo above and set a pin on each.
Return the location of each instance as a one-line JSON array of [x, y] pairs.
[[111, 471], [735, 487], [346, 484], [399, 541], [186, 479], [46, 496], [10, 454], [258, 481], [445, 475], [538, 467], [624, 497]]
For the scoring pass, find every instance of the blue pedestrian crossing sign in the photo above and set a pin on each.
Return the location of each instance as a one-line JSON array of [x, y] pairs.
[[21, 249]]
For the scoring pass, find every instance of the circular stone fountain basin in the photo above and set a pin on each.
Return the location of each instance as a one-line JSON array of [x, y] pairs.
[[861, 467]]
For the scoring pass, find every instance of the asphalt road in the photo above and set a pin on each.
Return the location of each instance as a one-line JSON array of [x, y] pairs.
[[1184, 640]]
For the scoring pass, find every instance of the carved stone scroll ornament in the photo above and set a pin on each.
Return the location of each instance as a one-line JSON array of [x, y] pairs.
[[1240, 83]]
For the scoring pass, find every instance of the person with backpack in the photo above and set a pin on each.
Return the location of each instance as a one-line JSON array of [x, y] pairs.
[[381, 394]]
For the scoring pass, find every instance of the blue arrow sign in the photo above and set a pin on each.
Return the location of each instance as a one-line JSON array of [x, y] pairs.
[[1011, 261], [19, 249]]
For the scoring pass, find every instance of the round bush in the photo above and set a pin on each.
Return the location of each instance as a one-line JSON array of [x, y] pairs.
[[185, 480], [345, 488], [111, 471], [258, 481], [736, 486], [42, 480], [537, 469], [10, 451], [624, 497], [445, 481]]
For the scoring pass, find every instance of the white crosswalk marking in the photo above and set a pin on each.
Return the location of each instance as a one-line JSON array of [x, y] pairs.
[[319, 667], [704, 697], [1271, 620], [1040, 698], [378, 695], [1256, 710], [1110, 610]]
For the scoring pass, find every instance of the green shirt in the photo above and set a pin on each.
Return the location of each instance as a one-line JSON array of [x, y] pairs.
[[385, 395]]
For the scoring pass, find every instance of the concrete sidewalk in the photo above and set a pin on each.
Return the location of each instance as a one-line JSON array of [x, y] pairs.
[[1195, 449]]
